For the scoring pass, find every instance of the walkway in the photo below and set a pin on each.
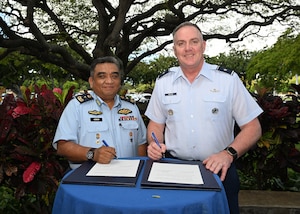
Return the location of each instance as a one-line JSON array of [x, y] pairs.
[[269, 202]]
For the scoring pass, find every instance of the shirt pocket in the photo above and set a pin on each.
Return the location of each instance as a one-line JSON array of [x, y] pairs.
[[215, 107], [129, 125], [129, 130], [96, 125], [98, 131], [172, 107]]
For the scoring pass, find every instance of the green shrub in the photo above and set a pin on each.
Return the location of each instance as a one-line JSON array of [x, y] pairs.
[[275, 158], [8, 203], [28, 163]]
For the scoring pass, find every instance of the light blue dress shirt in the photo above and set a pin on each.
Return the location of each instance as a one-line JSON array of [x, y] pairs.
[[87, 120], [200, 116]]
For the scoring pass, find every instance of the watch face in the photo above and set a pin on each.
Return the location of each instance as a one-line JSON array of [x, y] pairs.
[[232, 150], [90, 155]]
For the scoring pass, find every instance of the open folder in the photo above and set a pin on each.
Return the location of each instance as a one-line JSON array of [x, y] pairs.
[[177, 174], [121, 172]]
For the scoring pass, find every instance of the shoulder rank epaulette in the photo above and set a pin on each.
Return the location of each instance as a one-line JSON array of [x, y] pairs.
[[231, 72], [164, 73], [84, 97], [128, 100]]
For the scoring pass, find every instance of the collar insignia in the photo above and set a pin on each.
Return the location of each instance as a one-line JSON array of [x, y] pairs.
[[124, 111]]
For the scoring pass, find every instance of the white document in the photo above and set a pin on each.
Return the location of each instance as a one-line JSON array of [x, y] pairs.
[[175, 173], [116, 168]]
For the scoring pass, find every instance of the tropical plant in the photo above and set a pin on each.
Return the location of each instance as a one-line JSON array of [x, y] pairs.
[[29, 164], [267, 165]]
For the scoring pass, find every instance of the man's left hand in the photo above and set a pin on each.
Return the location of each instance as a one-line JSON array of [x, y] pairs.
[[219, 162]]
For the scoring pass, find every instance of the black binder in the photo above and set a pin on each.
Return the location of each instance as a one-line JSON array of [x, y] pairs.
[[78, 176], [209, 181]]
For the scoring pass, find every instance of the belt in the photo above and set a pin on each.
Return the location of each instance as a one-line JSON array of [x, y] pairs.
[[169, 155]]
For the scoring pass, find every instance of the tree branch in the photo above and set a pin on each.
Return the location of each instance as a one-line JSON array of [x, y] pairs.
[[61, 34]]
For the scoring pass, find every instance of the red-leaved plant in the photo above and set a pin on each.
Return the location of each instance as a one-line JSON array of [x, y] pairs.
[[28, 162], [267, 166]]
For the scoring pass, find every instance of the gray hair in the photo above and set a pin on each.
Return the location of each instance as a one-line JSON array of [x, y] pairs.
[[183, 24]]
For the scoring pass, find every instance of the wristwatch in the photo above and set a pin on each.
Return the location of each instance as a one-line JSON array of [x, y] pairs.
[[232, 152], [90, 154]]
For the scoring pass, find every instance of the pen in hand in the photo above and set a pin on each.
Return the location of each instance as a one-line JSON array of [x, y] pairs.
[[156, 141], [105, 144]]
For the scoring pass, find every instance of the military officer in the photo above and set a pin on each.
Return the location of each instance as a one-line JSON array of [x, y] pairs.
[[99, 125], [193, 109]]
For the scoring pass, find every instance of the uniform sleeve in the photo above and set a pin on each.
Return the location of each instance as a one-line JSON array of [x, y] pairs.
[[245, 107], [68, 124], [154, 109]]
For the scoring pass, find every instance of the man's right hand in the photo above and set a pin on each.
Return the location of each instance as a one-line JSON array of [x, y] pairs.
[[154, 152], [104, 154]]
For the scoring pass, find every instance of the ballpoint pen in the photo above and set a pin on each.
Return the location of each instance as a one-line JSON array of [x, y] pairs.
[[156, 141], [105, 144]]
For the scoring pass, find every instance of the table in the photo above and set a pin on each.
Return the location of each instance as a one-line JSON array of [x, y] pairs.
[[77, 198]]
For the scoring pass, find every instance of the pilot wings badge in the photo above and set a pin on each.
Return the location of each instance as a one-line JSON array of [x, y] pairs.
[[124, 111], [94, 112]]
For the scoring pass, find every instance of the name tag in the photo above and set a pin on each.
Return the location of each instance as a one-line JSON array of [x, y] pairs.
[[95, 119], [170, 94]]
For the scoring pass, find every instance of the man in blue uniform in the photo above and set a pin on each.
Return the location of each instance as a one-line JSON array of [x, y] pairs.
[[100, 126], [193, 110]]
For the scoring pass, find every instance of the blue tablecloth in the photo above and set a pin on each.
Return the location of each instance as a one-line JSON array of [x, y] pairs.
[[88, 199]]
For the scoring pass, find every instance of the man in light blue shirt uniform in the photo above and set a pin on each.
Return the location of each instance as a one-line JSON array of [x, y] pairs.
[[91, 118], [193, 110]]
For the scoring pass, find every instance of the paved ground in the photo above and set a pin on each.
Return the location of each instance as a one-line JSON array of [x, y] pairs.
[[269, 202]]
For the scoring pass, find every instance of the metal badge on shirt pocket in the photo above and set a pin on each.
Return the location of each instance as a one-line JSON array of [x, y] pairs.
[[98, 138], [124, 111], [95, 112], [214, 100], [171, 102]]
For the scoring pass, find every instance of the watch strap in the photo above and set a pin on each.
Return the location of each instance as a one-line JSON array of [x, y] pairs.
[[231, 151]]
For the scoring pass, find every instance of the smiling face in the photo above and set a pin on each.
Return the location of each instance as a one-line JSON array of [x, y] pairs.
[[106, 80], [189, 48]]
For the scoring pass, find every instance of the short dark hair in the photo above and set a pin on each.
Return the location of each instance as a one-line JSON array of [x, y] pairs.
[[107, 59], [183, 24]]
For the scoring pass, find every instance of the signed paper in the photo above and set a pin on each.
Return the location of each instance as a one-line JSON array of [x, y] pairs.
[[175, 173], [116, 168]]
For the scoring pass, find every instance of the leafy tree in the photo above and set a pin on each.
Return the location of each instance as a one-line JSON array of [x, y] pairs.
[[236, 60], [147, 72], [69, 34], [17, 69], [276, 65]]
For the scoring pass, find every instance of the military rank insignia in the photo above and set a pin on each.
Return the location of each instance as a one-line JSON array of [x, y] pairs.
[[164, 73], [225, 70], [124, 111], [84, 97]]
